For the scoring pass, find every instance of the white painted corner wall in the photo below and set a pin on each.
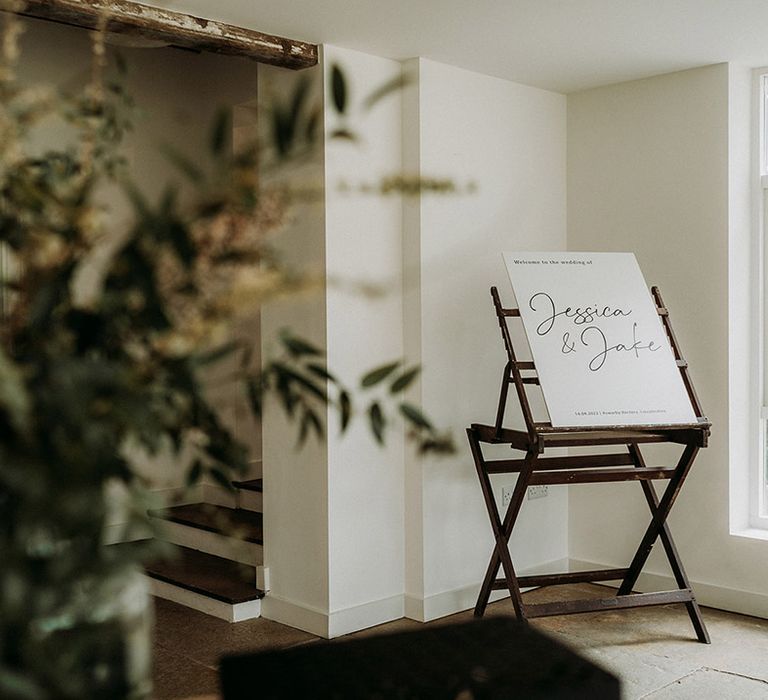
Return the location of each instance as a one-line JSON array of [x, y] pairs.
[[509, 140], [363, 247], [400, 533], [295, 496]]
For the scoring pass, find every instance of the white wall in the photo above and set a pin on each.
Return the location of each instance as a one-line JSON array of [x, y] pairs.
[[364, 244], [510, 140], [649, 172], [360, 505], [295, 501], [334, 512]]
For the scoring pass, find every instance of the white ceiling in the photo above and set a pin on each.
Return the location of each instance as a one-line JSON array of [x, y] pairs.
[[561, 45]]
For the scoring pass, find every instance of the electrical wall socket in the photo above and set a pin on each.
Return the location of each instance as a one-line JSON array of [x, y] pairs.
[[262, 578], [533, 492]]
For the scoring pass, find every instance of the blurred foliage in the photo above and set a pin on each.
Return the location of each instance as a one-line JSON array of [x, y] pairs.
[[105, 340]]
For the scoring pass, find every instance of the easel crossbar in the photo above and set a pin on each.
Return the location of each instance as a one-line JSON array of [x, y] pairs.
[[635, 600], [595, 476], [506, 466], [537, 580]]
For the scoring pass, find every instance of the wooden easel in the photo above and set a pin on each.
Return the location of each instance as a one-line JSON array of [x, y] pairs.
[[535, 468]]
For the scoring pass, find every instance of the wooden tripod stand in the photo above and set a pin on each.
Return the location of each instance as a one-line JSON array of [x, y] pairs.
[[535, 468]]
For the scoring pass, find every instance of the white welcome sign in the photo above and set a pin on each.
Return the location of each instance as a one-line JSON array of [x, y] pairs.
[[602, 355]]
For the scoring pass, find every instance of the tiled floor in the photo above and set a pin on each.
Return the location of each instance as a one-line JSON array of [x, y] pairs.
[[652, 650]]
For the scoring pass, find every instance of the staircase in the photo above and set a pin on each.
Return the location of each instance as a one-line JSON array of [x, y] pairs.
[[219, 548]]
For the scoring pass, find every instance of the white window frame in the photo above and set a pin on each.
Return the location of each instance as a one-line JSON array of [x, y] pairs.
[[758, 481]]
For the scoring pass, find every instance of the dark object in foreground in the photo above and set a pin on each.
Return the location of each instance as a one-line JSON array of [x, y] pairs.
[[486, 659]]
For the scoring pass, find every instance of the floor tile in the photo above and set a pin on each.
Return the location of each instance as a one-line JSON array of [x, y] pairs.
[[709, 683]]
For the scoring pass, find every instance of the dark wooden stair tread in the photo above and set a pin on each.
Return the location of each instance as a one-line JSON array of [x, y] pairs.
[[249, 485], [215, 577], [234, 522]]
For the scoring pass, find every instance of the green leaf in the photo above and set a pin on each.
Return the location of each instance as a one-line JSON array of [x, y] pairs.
[[415, 416], [312, 126], [297, 346], [220, 132], [221, 478], [405, 380], [300, 93], [315, 423], [285, 373], [345, 409], [343, 134], [393, 85], [379, 374], [286, 394], [182, 242], [303, 430], [247, 356], [338, 89], [194, 473], [254, 389], [282, 131], [321, 371], [440, 445], [377, 421], [285, 120], [309, 419]]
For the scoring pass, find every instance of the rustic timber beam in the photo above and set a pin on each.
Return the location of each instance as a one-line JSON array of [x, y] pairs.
[[175, 28]]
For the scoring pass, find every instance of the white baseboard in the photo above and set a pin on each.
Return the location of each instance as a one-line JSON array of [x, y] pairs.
[[337, 623], [711, 595], [301, 617], [445, 603], [360, 617], [459, 599], [210, 606]]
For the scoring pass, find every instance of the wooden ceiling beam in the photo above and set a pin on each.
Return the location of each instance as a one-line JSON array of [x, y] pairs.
[[176, 29]]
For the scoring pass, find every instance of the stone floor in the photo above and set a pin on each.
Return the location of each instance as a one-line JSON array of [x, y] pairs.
[[652, 650]]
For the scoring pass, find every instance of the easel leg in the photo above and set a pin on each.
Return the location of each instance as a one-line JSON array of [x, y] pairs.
[[502, 398], [658, 519], [671, 550], [501, 530]]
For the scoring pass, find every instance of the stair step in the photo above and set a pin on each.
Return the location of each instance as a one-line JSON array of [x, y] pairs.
[[221, 579], [249, 485], [238, 523]]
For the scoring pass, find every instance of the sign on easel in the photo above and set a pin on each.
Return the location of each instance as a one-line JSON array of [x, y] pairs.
[[600, 349]]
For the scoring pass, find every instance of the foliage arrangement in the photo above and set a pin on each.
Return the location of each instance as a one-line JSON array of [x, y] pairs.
[[104, 338]]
